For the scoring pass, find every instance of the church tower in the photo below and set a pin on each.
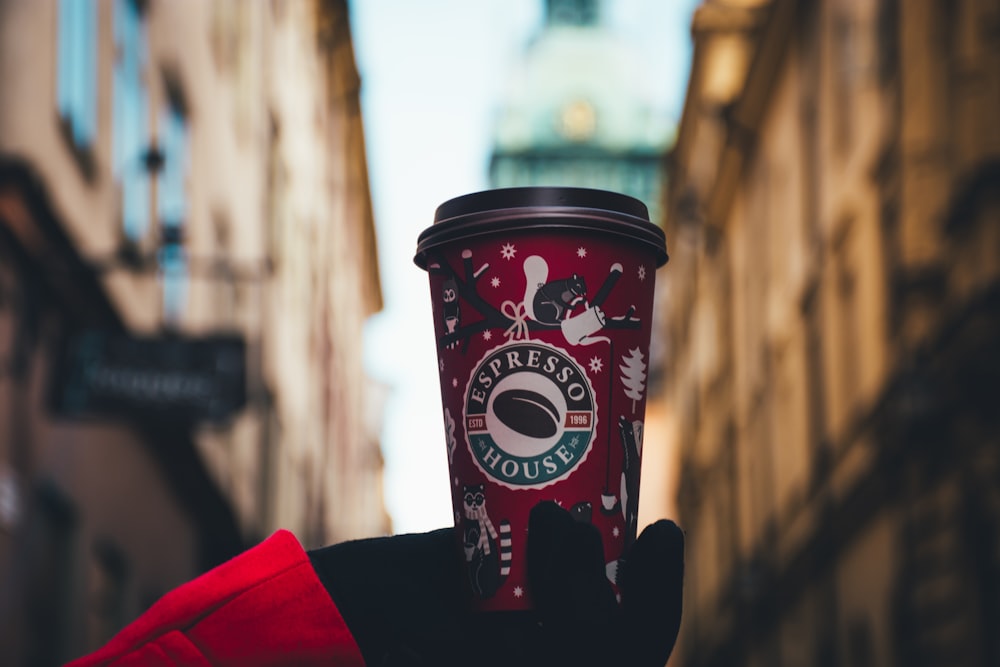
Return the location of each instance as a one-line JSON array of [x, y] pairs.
[[577, 111]]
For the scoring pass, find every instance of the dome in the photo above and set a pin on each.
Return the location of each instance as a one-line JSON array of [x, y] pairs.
[[580, 85]]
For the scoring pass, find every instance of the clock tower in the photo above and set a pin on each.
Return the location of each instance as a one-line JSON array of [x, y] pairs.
[[577, 111]]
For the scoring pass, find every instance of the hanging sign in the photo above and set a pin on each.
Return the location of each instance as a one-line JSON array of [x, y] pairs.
[[169, 378]]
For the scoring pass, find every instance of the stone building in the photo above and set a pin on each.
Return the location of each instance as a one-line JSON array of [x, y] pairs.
[[834, 312], [187, 257]]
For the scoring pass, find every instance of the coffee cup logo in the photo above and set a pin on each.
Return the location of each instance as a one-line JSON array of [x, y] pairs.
[[530, 414]]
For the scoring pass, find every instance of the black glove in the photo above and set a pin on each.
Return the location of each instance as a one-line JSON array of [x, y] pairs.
[[404, 599], [581, 621]]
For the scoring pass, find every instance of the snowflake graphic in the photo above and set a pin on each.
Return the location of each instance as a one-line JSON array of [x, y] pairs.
[[581, 252], [596, 365], [508, 251], [441, 365], [454, 382], [642, 273], [615, 531], [518, 591], [487, 335], [495, 282]]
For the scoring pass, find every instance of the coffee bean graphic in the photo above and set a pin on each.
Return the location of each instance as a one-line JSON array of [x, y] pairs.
[[527, 412]]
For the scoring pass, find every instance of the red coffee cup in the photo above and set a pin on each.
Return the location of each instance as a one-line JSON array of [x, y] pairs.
[[542, 301]]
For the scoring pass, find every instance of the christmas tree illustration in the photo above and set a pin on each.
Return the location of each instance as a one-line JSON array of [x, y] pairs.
[[634, 375]]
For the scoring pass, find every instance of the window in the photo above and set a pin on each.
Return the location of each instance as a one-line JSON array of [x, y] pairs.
[[171, 209], [130, 138], [171, 194], [845, 79], [173, 277], [76, 78]]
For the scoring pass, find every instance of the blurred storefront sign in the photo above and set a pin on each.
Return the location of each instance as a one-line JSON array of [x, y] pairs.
[[167, 378]]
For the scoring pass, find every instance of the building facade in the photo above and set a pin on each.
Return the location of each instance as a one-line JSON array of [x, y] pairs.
[[187, 257], [833, 313]]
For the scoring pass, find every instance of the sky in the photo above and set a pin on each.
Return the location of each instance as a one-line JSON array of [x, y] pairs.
[[433, 74]]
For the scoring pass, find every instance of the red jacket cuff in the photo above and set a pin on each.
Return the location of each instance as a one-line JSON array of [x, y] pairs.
[[263, 607]]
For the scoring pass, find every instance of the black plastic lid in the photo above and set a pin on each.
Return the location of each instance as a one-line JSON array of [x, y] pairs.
[[508, 209]]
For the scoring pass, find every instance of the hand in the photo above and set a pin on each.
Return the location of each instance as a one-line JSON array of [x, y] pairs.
[[581, 621], [403, 598]]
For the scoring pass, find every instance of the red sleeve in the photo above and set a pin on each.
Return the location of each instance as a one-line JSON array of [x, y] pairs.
[[264, 607]]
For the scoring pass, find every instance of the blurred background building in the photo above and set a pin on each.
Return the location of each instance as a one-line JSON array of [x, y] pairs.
[[834, 318], [577, 110], [187, 257]]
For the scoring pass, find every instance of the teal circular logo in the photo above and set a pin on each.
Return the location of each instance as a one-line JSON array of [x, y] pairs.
[[530, 416]]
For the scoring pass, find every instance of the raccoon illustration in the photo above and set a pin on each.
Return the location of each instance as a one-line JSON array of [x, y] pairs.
[[487, 551], [554, 300]]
